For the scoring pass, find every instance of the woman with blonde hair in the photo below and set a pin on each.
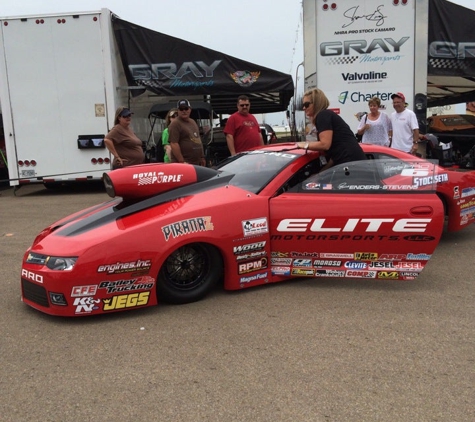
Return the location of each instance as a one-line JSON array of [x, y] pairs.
[[122, 142], [376, 126], [334, 137]]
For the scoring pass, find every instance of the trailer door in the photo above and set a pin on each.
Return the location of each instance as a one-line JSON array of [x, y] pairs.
[[55, 72]]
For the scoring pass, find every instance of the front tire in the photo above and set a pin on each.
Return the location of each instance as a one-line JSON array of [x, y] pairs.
[[189, 273]]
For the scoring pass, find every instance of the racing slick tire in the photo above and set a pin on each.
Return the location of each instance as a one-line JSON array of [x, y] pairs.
[[189, 273]]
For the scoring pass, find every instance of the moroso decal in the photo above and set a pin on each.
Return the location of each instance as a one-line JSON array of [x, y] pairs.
[[184, 227], [125, 301], [326, 263]]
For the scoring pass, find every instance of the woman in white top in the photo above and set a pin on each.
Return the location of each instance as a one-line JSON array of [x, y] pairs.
[[376, 126]]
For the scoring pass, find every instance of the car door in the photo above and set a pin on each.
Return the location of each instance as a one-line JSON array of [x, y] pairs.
[[348, 222]]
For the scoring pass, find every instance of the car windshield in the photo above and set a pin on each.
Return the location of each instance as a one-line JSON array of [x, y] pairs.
[[255, 169]]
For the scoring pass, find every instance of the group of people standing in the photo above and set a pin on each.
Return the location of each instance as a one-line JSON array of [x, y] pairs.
[[399, 131], [181, 139], [331, 134]]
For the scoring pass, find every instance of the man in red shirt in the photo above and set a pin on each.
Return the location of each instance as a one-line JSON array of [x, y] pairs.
[[242, 130]]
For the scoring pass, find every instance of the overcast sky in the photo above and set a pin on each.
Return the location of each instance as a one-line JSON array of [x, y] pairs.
[[264, 32]]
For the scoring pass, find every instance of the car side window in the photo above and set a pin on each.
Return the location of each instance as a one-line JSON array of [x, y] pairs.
[[304, 173], [354, 176], [373, 176]]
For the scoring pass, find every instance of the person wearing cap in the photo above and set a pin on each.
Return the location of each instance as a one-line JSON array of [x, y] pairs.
[[405, 129], [242, 129], [122, 142], [184, 137], [167, 149]]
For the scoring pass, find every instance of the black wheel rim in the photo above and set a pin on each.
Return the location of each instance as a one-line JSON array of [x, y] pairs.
[[186, 268]]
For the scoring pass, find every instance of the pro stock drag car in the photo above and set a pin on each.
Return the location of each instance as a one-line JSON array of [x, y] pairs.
[[174, 230]]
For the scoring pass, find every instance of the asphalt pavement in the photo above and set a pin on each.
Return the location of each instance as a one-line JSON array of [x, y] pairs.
[[303, 350]]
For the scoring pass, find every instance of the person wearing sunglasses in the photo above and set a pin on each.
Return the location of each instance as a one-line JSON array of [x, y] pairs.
[[167, 149], [184, 137], [334, 137], [122, 142], [242, 129]]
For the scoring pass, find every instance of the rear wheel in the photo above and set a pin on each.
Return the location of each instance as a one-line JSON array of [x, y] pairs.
[[189, 273]]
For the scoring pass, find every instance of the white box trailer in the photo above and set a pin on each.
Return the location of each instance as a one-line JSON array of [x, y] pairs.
[[60, 84], [357, 49]]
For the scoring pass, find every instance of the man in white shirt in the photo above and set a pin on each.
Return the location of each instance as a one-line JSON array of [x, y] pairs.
[[405, 134]]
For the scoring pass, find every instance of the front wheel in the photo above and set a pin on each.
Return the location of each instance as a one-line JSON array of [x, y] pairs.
[[189, 273]]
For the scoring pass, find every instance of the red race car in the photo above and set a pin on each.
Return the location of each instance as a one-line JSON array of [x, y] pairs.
[[172, 231]]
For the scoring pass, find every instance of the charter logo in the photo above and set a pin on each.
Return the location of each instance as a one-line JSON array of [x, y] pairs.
[[343, 97]]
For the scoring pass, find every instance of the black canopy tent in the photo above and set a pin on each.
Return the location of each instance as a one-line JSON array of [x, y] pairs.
[[199, 110], [173, 67], [451, 54]]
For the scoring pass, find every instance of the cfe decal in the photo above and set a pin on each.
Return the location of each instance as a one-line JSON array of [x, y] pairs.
[[191, 225], [152, 177]]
